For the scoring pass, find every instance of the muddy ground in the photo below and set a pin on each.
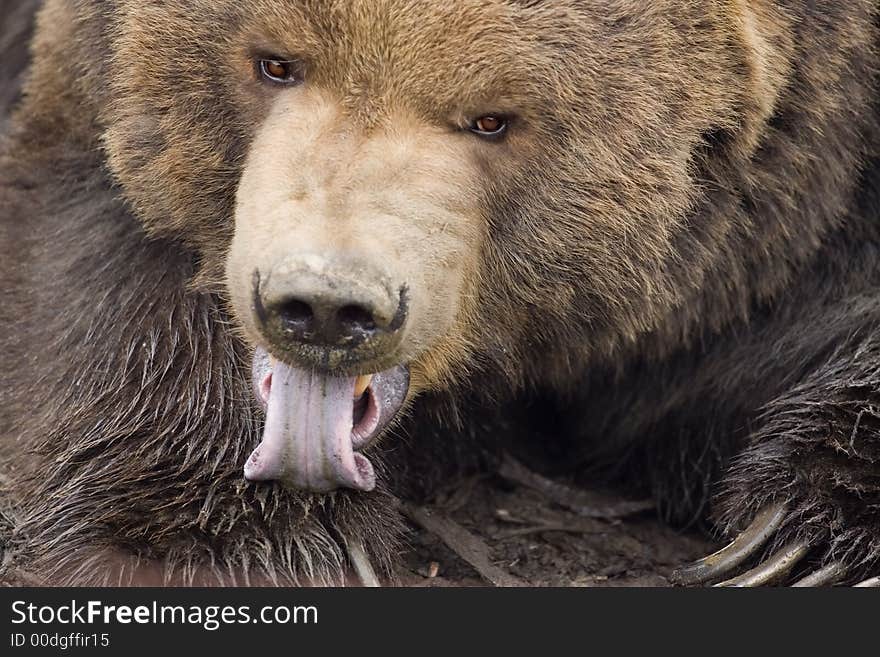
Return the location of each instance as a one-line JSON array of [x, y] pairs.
[[517, 535]]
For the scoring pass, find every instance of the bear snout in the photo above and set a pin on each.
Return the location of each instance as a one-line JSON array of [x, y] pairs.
[[326, 312]]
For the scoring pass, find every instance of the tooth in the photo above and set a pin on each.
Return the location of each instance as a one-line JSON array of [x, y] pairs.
[[361, 385]]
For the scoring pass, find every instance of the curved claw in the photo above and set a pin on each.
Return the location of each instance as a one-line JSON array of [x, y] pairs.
[[362, 566], [826, 576], [872, 583], [772, 570], [727, 559]]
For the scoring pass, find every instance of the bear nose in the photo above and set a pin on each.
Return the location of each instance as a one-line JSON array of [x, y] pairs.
[[326, 317], [312, 301]]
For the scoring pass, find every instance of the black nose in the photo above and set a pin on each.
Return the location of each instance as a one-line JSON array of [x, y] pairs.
[[325, 320], [310, 301]]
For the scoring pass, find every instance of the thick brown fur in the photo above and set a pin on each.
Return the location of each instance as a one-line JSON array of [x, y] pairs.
[[678, 246]]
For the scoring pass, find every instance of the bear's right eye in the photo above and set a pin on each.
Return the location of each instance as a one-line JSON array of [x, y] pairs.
[[491, 126], [279, 71]]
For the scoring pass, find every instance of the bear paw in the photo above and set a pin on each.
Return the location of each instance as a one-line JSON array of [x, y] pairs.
[[775, 568], [812, 518]]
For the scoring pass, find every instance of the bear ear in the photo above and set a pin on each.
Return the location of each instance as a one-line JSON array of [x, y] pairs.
[[765, 36]]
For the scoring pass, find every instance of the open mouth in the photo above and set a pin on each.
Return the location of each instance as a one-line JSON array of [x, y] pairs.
[[316, 424]]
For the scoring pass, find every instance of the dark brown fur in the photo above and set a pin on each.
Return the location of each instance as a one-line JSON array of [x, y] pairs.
[[681, 252], [17, 27]]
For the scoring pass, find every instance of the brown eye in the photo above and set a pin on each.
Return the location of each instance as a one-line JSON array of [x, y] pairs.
[[279, 71], [489, 126]]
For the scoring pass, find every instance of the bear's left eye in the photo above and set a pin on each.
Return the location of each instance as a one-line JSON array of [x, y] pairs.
[[491, 126], [279, 71]]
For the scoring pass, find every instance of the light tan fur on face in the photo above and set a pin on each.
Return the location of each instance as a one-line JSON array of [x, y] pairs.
[[398, 197]]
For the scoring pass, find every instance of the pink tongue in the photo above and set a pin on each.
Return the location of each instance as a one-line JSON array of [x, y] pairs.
[[307, 441]]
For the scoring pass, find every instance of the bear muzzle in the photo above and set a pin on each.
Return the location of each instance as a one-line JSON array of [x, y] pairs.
[[329, 315], [326, 321]]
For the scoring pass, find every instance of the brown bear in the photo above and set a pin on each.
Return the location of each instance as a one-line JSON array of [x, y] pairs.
[[256, 255]]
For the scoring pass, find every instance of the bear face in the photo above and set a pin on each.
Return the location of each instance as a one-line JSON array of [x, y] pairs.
[[373, 141], [394, 185]]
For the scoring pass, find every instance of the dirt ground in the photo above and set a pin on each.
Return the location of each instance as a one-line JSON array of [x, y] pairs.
[[504, 532]]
